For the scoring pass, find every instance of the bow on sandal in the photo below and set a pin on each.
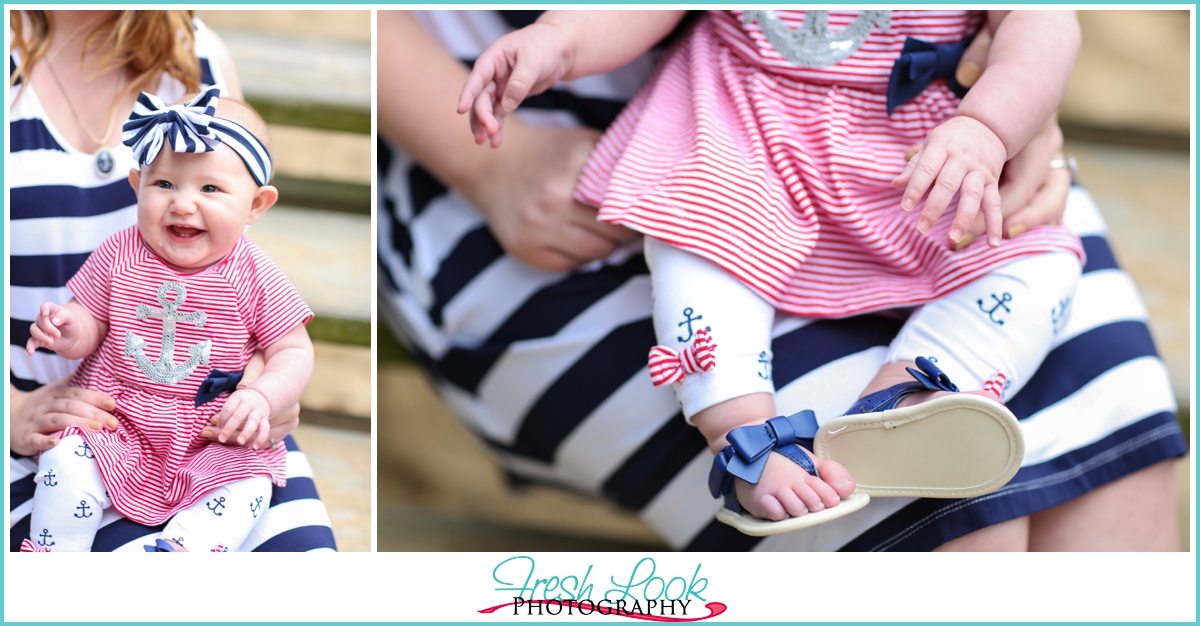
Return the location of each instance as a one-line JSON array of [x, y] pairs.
[[746, 456], [955, 446]]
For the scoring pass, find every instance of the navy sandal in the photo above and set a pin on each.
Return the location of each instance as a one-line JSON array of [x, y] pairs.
[[746, 456], [956, 446]]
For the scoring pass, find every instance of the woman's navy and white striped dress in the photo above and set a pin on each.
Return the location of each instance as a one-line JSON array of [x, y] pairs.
[[60, 210], [549, 370]]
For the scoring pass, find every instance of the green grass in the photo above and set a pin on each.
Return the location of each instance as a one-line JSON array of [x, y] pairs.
[[338, 330], [311, 115], [324, 194], [1185, 421], [388, 349]]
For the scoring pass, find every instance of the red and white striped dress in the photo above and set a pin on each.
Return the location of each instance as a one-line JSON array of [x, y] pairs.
[[782, 175], [156, 464]]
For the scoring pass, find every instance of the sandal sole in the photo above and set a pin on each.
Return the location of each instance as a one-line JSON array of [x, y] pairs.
[[958, 446], [750, 525]]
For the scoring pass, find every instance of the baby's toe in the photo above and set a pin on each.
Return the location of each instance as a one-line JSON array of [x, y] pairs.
[[812, 500], [794, 503], [769, 507], [835, 476]]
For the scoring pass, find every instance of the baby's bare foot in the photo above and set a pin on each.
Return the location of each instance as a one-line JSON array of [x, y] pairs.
[[786, 490]]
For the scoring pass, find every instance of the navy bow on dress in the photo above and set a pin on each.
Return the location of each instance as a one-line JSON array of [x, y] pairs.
[[217, 383], [921, 63]]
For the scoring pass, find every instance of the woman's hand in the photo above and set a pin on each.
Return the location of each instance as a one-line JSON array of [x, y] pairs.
[[527, 199], [524, 188], [37, 415], [281, 425]]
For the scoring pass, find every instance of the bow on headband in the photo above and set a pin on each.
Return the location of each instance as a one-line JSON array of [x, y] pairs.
[[191, 127], [669, 366], [921, 63]]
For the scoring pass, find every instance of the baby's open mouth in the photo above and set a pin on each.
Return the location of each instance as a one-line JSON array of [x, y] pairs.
[[185, 232]]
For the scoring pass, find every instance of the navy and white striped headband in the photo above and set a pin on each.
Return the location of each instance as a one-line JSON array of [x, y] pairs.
[[191, 127]]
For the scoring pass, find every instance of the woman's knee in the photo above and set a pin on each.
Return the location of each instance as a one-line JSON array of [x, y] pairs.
[[1136, 513], [1009, 536]]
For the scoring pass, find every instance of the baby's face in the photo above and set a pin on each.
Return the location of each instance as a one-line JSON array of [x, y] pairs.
[[193, 208]]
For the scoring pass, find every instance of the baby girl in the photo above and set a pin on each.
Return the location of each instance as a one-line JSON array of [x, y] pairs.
[[764, 162], [166, 316]]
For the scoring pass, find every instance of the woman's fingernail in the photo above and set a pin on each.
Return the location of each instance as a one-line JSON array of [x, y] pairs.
[[510, 104], [1015, 230], [907, 204], [994, 241], [956, 234], [212, 420], [53, 442], [94, 425], [964, 242], [206, 433], [967, 73], [112, 423], [923, 227]]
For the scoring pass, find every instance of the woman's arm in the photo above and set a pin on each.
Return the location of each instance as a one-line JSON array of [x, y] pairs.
[[523, 189]]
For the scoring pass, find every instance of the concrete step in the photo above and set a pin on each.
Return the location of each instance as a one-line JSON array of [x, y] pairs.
[[326, 254], [416, 437], [341, 382], [284, 67]]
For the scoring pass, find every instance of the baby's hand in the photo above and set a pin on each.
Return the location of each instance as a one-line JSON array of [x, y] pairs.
[[963, 155], [248, 411], [785, 490], [519, 64], [56, 327]]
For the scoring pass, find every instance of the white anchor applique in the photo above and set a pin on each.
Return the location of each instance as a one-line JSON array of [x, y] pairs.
[[164, 370], [813, 45]]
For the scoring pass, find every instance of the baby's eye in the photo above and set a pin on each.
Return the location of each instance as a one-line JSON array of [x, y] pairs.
[[164, 184], [209, 189]]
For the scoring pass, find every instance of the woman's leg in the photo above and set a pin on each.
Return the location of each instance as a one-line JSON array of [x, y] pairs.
[[1134, 513], [1010, 536]]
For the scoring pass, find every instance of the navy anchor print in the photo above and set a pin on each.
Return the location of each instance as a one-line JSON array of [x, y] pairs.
[[687, 321], [256, 506], [43, 537], [49, 479], [83, 510], [765, 360], [217, 503], [1058, 314], [87, 451], [1001, 302]]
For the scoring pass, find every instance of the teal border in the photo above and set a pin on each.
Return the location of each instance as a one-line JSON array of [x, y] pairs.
[[375, 5]]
